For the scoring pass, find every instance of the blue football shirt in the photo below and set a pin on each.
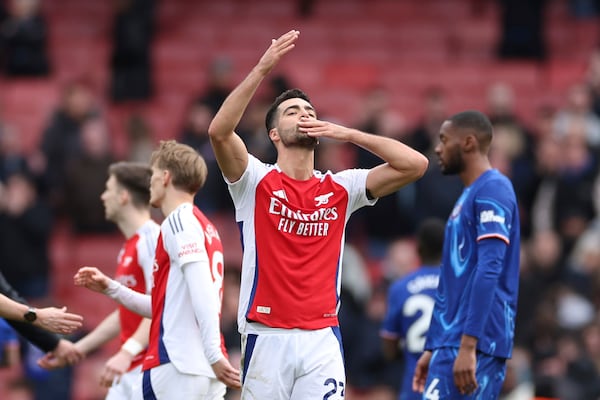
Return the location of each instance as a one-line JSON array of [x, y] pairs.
[[409, 307], [473, 297]]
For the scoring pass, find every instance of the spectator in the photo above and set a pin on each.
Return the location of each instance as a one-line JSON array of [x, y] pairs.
[[141, 142], [424, 135], [131, 61], [578, 109], [213, 196], [25, 226], [522, 29], [86, 176], [24, 36], [61, 141]]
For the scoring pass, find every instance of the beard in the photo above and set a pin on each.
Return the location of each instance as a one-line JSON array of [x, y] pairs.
[[453, 165], [294, 138]]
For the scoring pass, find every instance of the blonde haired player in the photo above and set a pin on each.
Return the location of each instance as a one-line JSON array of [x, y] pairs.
[[186, 357]]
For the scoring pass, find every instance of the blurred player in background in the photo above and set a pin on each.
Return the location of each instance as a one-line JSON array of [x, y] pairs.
[[292, 219], [186, 357], [472, 328], [126, 201], [410, 305]]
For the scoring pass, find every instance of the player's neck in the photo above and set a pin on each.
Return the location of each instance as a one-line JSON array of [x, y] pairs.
[[474, 170], [173, 199], [133, 221], [298, 165]]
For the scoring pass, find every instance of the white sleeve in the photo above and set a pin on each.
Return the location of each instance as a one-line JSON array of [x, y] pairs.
[[205, 301], [146, 251], [139, 303], [242, 191]]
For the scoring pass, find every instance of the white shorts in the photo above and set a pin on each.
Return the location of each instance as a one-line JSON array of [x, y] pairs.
[[165, 382], [123, 390], [292, 364]]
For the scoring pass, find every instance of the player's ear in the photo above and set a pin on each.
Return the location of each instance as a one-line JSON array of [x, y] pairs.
[[123, 197], [274, 134], [470, 143], [166, 177]]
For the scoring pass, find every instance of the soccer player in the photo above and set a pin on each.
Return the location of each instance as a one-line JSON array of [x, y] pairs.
[[292, 220], [472, 327], [126, 201], [186, 356], [410, 305]]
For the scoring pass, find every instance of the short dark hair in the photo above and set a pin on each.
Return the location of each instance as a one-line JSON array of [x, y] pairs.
[[430, 240], [135, 178], [477, 121], [288, 94]]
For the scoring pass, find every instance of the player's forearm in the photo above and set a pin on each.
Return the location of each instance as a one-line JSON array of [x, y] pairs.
[[206, 305], [106, 330], [137, 302], [142, 333], [232, 109], [398, 155], [138, 341]]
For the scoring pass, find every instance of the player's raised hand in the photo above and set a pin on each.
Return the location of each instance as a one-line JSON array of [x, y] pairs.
[[227, 374], [57, 320], [278, 48], [91, 278], [421, 370], [317, 128]]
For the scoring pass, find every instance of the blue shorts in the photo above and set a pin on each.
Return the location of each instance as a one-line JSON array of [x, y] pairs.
[[440, 385]]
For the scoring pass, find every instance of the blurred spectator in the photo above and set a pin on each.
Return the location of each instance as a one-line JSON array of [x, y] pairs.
[[573, 205], [61, 141], [214, 195], [25, 226], [131, 60], [254, 132], [522, 29], [86, 177], [578, 109], [541, 269], [592, 79], [219, 83], [518, 383], [380, 118], [140, 139], [12, 159], [369, 374], [23, 40], [425, 135]]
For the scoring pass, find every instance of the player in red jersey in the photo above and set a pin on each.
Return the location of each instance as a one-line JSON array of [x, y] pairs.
[[292, 219], [126, 203], [186, 357]]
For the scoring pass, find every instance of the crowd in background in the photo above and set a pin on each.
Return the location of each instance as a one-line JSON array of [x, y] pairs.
[[553, 162]]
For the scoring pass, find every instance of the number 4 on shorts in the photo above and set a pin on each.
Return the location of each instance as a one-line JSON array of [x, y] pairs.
[[432, 393]]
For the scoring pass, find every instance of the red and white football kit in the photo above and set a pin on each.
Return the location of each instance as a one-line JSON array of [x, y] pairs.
[[134, 270], [185, 334], [293, 238]]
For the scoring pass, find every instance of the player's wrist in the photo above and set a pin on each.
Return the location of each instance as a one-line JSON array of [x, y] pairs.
[[132, 347], [112, 289]]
